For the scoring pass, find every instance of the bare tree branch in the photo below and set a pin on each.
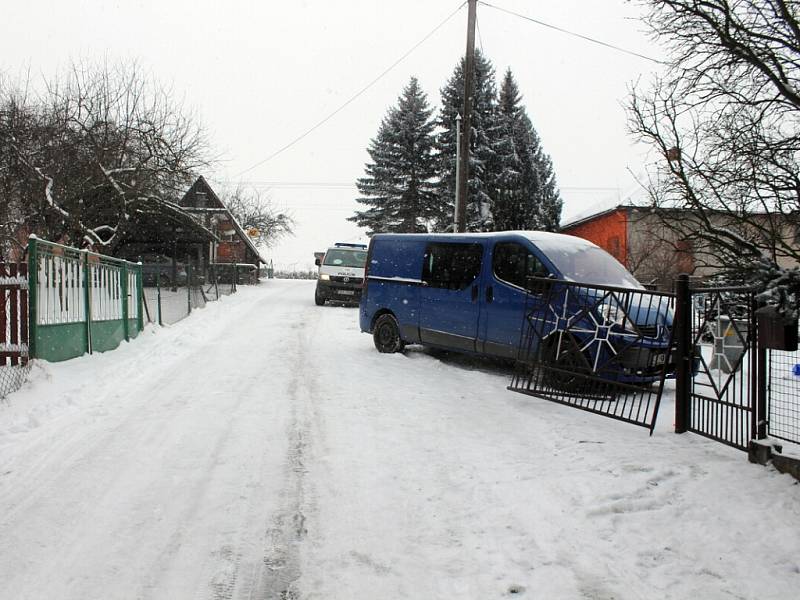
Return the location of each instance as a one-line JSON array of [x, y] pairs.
[[725, 121]]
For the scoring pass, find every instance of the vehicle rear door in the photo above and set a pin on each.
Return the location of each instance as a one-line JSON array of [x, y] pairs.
[[449, 298], [504, 298]]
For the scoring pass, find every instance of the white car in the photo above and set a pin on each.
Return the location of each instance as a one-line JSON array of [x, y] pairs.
[[341, 274]]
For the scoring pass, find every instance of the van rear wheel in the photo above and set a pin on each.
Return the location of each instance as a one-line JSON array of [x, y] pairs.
[[386, 335]]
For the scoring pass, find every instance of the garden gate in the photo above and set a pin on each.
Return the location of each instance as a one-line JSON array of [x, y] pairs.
[[719, 366], [598, 348]]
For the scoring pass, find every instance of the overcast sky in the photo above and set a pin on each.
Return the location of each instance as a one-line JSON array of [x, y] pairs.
[[262, 73]]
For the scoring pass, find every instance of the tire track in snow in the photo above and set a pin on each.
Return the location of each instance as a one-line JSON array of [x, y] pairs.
[[279, 571]]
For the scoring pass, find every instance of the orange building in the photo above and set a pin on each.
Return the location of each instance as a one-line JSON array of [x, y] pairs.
[[637, 238], [608, 229]]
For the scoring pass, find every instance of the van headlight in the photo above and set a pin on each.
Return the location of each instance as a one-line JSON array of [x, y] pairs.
[[325, 277], [611, 313]]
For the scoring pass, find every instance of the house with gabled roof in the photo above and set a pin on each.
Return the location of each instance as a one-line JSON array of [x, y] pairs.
[[232, 245]]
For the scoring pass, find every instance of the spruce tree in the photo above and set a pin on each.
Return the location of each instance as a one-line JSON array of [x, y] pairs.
[[399, 185], [483, 139], [526, 195]]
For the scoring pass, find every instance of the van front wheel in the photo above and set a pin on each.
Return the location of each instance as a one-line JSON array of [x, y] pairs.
[[386, 335]]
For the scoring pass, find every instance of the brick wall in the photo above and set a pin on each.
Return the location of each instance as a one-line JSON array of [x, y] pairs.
[[609, 231]]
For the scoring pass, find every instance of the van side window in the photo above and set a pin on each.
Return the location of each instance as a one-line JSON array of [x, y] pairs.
[[452, 266], [513, 263]]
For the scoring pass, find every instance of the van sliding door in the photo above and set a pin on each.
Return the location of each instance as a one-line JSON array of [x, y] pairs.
[[449, 300]]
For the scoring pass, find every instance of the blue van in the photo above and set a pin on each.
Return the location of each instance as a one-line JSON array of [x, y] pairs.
[[467, 292]]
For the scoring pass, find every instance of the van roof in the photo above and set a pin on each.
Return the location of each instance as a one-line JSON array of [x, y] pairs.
[[543, 239]]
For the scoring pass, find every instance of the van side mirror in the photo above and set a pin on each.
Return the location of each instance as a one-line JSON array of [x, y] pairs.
[[538, 286], [316, 261]]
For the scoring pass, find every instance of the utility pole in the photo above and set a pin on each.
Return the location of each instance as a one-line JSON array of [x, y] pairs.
[[463, 170], [457, 208]]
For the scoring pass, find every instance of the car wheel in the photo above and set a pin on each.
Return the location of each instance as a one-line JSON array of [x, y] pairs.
[[565, 365], [318, 300], [163, 281], [386, 335]]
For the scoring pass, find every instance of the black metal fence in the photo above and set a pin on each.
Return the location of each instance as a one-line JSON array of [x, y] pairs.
[[609, 350], [598, 348]]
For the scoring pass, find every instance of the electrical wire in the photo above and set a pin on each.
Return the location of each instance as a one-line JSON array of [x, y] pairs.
[[480, 37], [572, 33], [357, 94], [347, 185]]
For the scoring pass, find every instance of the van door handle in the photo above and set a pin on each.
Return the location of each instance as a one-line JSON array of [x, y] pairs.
[[474, 293], [489, 293]]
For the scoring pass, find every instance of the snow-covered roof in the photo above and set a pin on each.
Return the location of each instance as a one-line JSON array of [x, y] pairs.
[[634, 198]]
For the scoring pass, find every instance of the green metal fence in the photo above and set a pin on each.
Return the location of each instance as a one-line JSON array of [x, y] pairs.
[[80, 301]]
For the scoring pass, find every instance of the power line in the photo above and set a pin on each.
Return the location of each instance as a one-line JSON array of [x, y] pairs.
[[290, 184], [348, 185], [480, 37], [572, 33], [357, 94]]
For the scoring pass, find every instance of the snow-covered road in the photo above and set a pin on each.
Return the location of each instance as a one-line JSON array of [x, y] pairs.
[[263, 449]]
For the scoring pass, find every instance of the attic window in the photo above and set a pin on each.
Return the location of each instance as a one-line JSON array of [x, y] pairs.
[[200, 199]]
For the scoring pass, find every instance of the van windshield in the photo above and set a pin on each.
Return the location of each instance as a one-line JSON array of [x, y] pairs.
[[590, 264], [345, 258]]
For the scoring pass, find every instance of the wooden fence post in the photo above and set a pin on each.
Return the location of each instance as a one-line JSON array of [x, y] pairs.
[[23, 317]]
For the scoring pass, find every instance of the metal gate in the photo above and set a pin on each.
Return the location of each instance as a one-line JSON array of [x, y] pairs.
[[598, 348], [717, 385]]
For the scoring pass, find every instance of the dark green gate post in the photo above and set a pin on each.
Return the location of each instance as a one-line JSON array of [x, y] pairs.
[[683, 372], [87, 299], [124, 294], [139, 298], [33, 288]]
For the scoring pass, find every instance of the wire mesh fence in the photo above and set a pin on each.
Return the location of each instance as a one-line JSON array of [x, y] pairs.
[[783, 390], [172, 292]]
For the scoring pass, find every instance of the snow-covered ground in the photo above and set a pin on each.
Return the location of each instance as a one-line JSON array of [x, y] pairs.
[[263, 449]]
